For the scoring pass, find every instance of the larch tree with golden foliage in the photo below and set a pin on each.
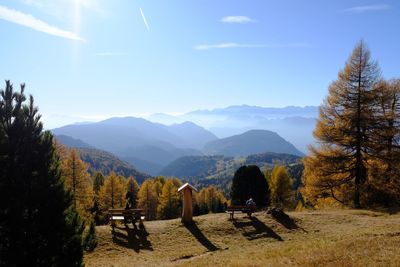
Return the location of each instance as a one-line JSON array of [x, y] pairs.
[[77, 180], [384, 176], [337, 166], [112, 193], [148, 199], [157, 187], [280, 186], [169, 202], [209, 199]]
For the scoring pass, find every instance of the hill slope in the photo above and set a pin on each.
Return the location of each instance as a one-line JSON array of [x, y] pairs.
[[205, 166], [100, 160], [251, 142], [106, 163], [195, 166], [72, 142], [317, 238]]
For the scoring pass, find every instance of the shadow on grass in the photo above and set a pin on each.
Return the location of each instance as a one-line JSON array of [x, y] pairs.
[[134, 238], [284, 219], [258, 229], [389, 210], [198, 234]]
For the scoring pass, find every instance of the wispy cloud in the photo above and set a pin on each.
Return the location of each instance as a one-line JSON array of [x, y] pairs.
[[58, 7], [362, 9], [237, 45], [30, 21], [111, 54], [237, 19], [144, 19]]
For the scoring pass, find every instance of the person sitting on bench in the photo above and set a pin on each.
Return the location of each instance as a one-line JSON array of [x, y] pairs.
[[251, 205]]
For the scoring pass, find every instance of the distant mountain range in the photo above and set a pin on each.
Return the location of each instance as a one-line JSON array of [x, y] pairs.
[[146, 145], [151, 146], [295, 124]]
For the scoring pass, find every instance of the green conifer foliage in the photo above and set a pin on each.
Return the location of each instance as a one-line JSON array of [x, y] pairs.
[[38, 223], [132, 190], [249, 182]]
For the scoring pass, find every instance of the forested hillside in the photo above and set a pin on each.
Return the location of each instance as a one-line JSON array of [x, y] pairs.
[[100, 160], [203, 171], [105, 162]]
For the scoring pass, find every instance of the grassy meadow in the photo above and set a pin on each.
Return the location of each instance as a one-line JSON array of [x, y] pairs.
[[316, 238]]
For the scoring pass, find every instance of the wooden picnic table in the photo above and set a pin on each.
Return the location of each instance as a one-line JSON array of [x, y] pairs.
[[240, 208], [126, 215]]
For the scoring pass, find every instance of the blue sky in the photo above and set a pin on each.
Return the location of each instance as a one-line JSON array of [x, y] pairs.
[[92, 59]]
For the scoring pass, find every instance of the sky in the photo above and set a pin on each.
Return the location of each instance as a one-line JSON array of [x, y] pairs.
[[86, 60]]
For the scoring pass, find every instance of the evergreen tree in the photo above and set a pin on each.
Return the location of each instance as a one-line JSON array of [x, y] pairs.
[[98, 181], [38, 223], [249, 182], [132, 192], [280, 185], [338, 166], [148, 199], [112, 192], [98, 216], [169, 206], [89, 241]]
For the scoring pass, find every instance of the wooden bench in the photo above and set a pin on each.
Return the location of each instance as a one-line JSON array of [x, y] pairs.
[[240, 208], [127, 216]]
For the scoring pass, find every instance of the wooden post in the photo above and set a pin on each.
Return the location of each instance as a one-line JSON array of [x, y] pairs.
[[187, 210]]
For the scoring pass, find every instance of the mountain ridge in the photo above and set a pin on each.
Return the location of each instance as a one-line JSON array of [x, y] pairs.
[[251, 142]]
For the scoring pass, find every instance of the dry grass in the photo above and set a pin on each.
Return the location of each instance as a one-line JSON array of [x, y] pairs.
[[323, 238]]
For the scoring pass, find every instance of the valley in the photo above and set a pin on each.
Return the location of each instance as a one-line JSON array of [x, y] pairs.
[[151, 146]]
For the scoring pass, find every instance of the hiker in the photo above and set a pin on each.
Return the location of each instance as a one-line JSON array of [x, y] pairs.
[[250, 203]]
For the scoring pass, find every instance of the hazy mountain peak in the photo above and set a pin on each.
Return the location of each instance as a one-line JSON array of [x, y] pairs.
[[251, 142]]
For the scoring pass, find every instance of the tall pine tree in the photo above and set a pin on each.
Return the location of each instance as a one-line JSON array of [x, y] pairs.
[[38, 223]]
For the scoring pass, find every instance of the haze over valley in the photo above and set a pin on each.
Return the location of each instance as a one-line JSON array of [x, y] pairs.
[[234, 131]]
